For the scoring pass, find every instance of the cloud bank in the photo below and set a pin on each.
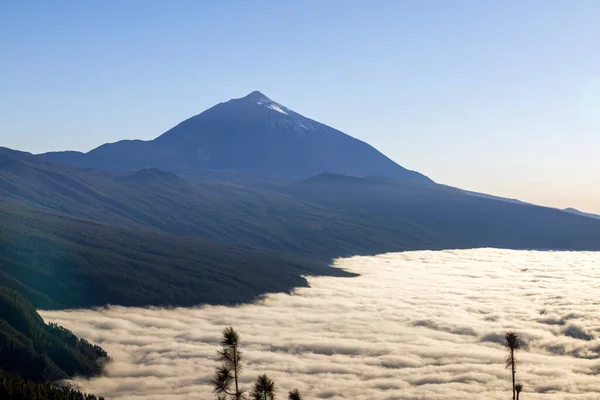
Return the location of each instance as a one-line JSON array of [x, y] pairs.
[[414, 325]]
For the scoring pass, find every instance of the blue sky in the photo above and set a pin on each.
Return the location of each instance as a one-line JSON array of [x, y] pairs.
[[495, 96]]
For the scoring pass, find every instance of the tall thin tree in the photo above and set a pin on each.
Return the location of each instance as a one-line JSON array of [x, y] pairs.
[[264, 388], [512, 342], [294, 395], [518, 389], [230, 367]]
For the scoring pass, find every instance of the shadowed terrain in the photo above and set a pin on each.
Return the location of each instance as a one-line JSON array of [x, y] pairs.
[[41, 352], [75, 237], [240, 200], [59, 261]]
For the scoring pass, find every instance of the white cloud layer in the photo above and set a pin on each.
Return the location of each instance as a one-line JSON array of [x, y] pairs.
[[415, 325]]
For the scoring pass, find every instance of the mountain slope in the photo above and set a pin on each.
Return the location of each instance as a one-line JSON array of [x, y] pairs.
[[217, 211], [469, 221], [38, 351], [252, 135], [79, 238], [489, 196], [58, 261], [326, 216]]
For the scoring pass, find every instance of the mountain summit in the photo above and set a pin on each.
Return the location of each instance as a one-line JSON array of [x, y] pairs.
[[257, 97], [252, 135]]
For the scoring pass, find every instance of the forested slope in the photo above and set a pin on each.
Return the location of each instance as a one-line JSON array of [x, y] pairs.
[[59, 261], [41, 352], [13, 387], [233, 213]]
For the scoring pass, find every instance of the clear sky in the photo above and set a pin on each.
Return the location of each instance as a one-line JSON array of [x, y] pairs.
[[499, 96]]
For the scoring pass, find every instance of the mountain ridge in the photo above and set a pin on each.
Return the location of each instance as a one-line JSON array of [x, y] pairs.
[[575, 211], [327, 215]]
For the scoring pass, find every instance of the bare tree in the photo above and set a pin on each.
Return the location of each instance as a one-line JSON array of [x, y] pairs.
[[512, 342], [230, 367], [264, 388], [518, 389], [294, 395]]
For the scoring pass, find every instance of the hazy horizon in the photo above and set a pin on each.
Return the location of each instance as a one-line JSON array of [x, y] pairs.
[[501, 98]]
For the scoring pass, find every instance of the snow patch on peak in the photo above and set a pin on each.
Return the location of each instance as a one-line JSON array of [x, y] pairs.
[[260, 99], [276, 107]]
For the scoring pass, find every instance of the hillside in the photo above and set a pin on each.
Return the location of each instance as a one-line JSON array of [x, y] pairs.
[[253, 136], [74, 237], [469, 221], [325, 216], [58, 261], [234, 213], [40, 352]]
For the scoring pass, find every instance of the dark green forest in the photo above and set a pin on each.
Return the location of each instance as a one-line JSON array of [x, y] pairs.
[[38, 351], [58, 261], [13, 387], [34, 354]]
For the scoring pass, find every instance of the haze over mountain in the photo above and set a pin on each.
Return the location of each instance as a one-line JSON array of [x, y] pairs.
[[254, 136]]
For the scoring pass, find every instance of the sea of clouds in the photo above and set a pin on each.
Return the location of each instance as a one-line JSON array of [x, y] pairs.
[[414, 325]]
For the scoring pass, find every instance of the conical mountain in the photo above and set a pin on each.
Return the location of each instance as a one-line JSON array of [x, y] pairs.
[[253, 136]]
